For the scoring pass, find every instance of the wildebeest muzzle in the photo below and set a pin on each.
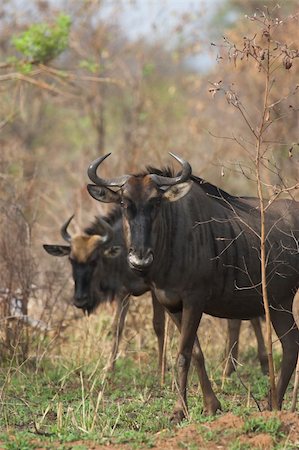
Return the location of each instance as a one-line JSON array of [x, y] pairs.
[[140, 261]]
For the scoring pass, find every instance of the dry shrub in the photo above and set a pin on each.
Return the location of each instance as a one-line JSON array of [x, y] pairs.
[[17, 264], [29, 299]]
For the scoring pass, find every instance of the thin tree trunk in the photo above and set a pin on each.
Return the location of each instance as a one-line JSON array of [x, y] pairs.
[[274, 401]]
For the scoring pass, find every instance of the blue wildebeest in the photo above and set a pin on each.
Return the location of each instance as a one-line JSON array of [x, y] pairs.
[[101, 273], [198, 247]]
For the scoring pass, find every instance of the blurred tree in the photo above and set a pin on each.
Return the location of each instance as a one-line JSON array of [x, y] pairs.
[[227, 157], [102, 91], [231, 11], [106, 92]]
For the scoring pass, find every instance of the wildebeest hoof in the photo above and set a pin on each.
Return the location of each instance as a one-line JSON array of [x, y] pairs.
[[211, 408], [177, 416]]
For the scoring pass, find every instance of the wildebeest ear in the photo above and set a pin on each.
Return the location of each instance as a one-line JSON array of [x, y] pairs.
[[103, 194], [113, 252], [57, 250], [177, 191]]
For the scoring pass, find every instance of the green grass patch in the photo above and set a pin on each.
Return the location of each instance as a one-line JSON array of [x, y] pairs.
[[68, 403], [270, 426], [237, 445]]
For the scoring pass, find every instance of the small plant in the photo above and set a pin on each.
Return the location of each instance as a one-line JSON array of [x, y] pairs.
[[237, 445], [19, 442], [209, 435], [43, 42], [270, 426]]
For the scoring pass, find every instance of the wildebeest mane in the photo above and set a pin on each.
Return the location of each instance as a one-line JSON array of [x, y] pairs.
[[227, 200], [112, 217]]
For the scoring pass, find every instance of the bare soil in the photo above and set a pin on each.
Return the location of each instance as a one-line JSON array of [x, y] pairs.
[[219, 434]]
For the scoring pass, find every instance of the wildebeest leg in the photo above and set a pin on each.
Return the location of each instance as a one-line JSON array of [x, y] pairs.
[[232, 346], [159, 327], [296, 381], [296, 388], [187, 338], [117, 327], [187, 323], [211, 402], [288, 335], [261, 349]]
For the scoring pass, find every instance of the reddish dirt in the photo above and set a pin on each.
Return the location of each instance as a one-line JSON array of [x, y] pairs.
[[219, 434], [228, 428]]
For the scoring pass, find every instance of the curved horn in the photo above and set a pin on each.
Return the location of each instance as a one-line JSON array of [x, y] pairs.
[[184, 176], [92, 173], [108, 230], [63, 230]]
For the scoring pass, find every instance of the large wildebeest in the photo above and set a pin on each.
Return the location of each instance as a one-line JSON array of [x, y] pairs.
[[198, 247], [101, 273]]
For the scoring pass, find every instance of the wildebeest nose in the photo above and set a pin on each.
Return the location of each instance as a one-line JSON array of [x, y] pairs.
[[80, 301], [140, 260]]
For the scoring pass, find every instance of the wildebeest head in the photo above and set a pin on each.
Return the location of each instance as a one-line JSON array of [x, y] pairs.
[[89, 255], [140, 197]]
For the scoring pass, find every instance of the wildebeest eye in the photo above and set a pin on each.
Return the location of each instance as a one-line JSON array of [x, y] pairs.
[[127, 203]]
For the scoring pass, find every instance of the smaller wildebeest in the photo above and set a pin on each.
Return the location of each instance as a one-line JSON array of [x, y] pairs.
[[101, 273], [199, 248]]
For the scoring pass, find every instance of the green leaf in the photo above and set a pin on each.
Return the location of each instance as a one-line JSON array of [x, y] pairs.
[[43, 42]]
